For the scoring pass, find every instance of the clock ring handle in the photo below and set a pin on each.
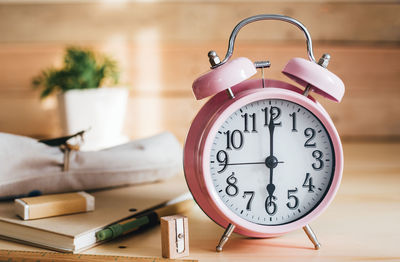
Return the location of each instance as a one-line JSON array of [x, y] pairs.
[[255, 18]]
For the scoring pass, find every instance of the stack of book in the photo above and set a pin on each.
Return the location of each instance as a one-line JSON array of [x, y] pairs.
[[74, 233]]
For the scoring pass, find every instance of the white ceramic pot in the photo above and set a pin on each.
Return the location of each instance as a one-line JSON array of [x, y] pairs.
[[101, 111]]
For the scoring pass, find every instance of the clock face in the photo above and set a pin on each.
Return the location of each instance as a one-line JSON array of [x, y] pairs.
[[272, 162]]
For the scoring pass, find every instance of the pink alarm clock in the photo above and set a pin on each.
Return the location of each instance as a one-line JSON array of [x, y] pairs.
[[263, 157]]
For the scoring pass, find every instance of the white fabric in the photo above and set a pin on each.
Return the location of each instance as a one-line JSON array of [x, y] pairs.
[[27, 165]]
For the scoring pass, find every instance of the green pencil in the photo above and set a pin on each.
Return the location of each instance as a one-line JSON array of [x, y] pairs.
[[147, 219]]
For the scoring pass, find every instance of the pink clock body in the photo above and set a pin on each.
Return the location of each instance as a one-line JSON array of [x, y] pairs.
[[216, 111]]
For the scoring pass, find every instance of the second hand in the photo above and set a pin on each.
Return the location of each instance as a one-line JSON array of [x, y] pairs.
[[249, 163]]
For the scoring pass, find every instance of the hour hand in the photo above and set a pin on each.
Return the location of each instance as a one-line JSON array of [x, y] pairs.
[[270, 189]]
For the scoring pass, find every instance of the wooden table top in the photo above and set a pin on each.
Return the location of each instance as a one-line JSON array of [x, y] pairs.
[[362, 223]]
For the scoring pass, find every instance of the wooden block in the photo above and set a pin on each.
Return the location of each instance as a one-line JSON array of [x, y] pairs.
[[53, 205], [174, 236]]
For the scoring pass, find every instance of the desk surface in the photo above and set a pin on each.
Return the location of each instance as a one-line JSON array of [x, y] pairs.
[[362, 223]]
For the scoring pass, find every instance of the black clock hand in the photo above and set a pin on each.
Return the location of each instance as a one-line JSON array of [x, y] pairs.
[[245, 163], [271, 128], [271, 160]]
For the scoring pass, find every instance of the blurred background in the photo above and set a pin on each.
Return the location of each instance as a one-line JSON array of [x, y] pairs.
[[161, 47]]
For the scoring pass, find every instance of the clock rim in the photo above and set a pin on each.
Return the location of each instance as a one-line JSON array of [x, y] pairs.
[[206, 193]]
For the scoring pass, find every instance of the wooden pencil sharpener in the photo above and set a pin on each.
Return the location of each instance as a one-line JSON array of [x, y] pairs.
[[174, 236]]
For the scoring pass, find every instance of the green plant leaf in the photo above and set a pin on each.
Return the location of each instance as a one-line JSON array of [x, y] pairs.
[[82, 69]]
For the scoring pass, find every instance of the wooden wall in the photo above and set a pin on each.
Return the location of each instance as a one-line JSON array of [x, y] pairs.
[[162, 48]]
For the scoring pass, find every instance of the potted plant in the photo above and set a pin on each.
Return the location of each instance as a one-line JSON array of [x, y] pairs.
[[85, 101]]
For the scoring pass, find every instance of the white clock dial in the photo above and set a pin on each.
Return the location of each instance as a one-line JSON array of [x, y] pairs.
[[272, 162]]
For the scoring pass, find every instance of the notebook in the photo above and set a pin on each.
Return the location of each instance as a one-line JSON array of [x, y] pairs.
[[75, 233]]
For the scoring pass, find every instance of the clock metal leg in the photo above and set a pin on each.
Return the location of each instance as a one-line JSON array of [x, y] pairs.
[[311, 235], [225, 237]]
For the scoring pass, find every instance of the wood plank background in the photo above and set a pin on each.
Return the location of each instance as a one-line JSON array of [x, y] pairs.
[[162, 48]]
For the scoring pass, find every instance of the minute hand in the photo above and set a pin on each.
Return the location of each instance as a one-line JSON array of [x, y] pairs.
[[271, 128]]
